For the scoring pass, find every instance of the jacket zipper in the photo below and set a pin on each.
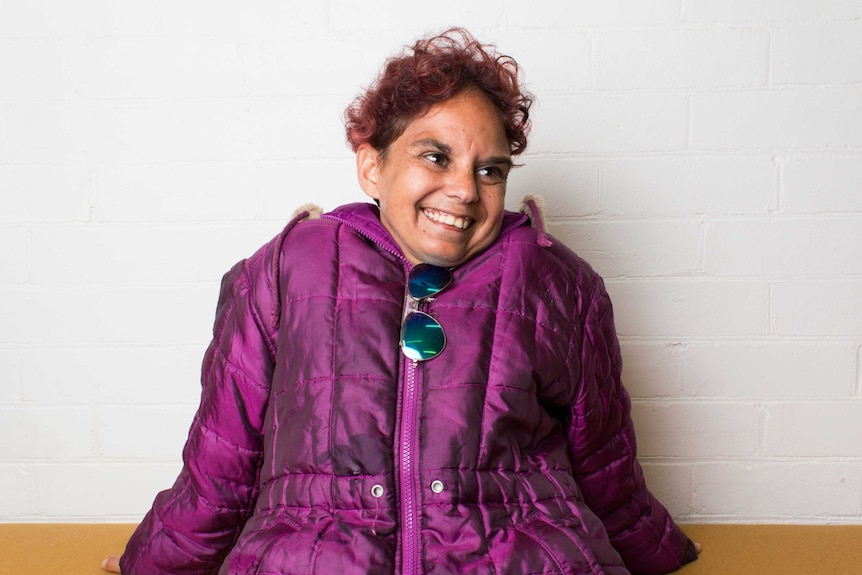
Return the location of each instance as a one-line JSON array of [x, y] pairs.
[[409, 515], [410, 528]]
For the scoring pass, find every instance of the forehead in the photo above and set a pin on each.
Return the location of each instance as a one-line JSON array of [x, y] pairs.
[[468, 115]]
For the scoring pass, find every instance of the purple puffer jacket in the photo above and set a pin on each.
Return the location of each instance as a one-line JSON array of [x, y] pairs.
[[319, 448]]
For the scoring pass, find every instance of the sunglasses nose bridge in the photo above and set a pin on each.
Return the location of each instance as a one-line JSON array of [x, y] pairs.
[[411, 305]]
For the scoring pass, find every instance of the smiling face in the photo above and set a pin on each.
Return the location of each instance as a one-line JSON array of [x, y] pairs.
[[441, 185]]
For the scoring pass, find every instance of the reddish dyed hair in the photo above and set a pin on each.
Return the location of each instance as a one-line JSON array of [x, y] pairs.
[[433, 70]]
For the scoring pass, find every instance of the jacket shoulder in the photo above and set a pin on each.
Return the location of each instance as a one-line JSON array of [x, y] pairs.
[[259, 274], [542, 253]]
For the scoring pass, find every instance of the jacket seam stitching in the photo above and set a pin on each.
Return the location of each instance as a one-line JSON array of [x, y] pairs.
[[209, 430], [238, 370], [255, 313]]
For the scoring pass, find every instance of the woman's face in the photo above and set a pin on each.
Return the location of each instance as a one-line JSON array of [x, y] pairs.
[[441, 185]]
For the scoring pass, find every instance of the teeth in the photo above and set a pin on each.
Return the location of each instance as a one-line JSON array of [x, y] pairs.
[[448, 219]]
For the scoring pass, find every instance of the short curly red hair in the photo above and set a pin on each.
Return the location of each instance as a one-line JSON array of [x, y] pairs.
[[433, 70]]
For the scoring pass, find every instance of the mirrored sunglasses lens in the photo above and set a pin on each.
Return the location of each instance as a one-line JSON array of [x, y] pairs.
[[422, 337], [426, 280]]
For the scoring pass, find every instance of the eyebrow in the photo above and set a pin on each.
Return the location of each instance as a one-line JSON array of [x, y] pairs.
[[446, 149]]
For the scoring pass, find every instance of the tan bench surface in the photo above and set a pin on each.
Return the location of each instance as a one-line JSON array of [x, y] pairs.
[[78, 549]]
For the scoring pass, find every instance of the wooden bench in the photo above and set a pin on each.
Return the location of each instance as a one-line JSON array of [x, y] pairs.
[[78, 549]]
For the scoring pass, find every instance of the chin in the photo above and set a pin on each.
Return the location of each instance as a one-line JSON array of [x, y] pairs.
[[449, 260], [447, 255]]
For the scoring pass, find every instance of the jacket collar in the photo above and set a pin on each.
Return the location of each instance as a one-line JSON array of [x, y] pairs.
[[365, 219]]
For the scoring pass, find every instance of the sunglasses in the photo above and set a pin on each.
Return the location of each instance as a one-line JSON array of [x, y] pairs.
[[422, 336]]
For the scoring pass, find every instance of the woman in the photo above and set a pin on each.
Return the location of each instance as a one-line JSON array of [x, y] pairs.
[[497, 439]]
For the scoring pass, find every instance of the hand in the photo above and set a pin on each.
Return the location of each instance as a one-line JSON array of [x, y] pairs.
[[697, 547], [112, 564]]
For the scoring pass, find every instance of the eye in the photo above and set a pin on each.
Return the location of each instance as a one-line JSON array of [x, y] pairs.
[[492, 174], [437, 158]]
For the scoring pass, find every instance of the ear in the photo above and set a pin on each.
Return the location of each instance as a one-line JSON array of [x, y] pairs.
[[368, 169]]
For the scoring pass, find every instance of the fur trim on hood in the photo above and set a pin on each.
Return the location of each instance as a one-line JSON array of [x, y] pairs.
[[313, 211]]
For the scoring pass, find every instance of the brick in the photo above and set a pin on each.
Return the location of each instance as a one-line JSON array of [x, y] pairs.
[[53, 433], [348, 16], [809, 247], [660, 59], [286, 185], [40, 193], [279, 132], [53, 134], [11, 363], [40, 75], [696, 430], [610, 123], [24, 323], [817, 308], [111, 375], [144, 432], [787, 491], [221, 18], [814, 429], [769, 11], [569, 186], [817, 185], [776, 120], [17, 482], [14, 255], [552, 14], [273, 66], [108, 315], [859, 374], [142, 255], [182, 315], [635, 248], [767, 369], [652, 369], [5, 143], [739, 370], [55, 18], [95, 491], [552, 60], [682, 308], [671, 484], [166, 131], [809, 54], [189, 192], [689, 185], [157, 67]]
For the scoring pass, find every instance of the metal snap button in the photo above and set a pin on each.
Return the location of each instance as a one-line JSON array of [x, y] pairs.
[[437, 486], [377, 491]]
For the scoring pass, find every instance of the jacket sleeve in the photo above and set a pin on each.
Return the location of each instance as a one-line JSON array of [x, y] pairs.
[[192, 526], [604, 453]]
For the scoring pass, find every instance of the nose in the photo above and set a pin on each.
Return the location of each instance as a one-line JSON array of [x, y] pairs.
[[462, 185]]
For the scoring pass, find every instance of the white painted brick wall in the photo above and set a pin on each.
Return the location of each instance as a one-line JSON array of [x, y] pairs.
[[705, 157], [817, 308], [592, 123], [789, 247], [789, 490], [779, 120], [805, 54], [820, 185], [659, 59], [699, 185]]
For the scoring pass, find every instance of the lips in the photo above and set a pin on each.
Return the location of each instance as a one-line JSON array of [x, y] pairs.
[[460, 222]]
